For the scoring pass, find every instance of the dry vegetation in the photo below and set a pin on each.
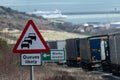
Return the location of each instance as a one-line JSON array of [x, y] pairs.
[[49, 71], [10, 69], [55, 72]]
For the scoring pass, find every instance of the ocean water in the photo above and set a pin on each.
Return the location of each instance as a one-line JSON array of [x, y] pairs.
[[77, 6], [84, 18]]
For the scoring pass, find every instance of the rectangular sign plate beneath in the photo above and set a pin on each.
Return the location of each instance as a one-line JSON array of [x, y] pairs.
[[31, 59]]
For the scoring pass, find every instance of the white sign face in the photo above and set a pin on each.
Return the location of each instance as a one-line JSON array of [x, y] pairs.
[[57, 55], [30, 59], [30, 40]]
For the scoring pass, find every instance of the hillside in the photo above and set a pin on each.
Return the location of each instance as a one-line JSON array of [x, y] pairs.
[[12, 36], [12, 23], [16, 20]]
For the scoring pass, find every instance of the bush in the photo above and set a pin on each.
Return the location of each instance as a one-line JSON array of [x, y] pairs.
[[3, 44], [61, 75]]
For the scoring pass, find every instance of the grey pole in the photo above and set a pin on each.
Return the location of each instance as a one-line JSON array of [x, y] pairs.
[[31, 72]]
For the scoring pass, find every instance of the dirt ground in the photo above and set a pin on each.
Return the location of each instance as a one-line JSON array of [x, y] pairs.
[[67, 73], [51, 71]]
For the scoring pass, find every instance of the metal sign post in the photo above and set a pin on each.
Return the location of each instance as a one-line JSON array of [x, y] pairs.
[[31, 60], [31, 72]]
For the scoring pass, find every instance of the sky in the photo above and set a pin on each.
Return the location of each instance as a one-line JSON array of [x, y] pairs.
[[64, 5], [57, 2]]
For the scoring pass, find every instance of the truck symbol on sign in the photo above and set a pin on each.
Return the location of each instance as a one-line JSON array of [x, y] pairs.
[[32, 36], [28, 40], [25, 44]]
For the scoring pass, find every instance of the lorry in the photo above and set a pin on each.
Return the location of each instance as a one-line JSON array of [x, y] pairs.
[[114, 42], [93, 52], [72, 52]]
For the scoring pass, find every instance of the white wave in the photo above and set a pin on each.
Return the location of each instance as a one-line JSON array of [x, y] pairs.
[[49, 14]]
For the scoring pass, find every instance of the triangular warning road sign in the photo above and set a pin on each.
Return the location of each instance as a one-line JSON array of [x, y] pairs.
[[30, 40]]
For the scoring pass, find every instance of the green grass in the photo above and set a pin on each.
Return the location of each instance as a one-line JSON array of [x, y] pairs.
[[11, 38]]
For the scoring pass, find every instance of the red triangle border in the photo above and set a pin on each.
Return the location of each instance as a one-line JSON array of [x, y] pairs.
[[30, 22]]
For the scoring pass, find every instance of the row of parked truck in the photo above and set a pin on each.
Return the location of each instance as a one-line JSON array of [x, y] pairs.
[[94, 52]]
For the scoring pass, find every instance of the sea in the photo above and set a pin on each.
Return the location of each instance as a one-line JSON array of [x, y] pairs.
[[89, 18], [78, 8]]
